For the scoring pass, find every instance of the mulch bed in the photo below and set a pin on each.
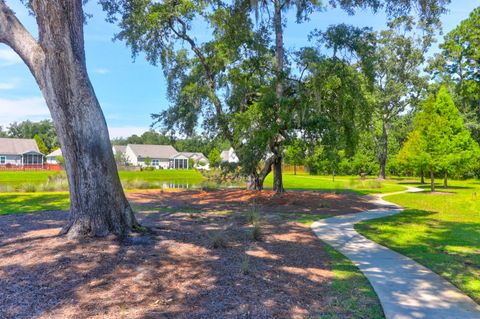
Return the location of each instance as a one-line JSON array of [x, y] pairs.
[[175, 272]]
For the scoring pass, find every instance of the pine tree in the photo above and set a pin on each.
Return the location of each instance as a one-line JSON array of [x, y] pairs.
[[439, 142]]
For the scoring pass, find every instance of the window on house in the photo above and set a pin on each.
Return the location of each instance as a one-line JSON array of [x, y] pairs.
[[3, 159], [155, 162]]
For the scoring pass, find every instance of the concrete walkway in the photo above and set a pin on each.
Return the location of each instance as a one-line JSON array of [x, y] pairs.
[[406, 289]]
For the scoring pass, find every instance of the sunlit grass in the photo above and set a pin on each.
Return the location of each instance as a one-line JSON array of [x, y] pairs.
[[12, 203], [339, 184], [441, 231], [355, 297]]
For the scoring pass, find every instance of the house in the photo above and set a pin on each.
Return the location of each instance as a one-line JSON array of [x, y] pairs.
[[119, 149], [200, 161], [158, 156], [229, 156], [52, 157], [20, 152]]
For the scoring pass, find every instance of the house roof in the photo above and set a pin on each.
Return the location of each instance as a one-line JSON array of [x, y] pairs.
[[57, 152], [192, 154], [18, 146], [153, 151], [119, 148]]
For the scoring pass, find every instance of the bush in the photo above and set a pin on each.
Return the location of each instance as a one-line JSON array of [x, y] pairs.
[[218, 240]]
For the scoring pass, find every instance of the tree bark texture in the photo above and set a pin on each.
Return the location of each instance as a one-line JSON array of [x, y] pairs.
[[383, 153], [256, 180], [98, 205], [279, 56]]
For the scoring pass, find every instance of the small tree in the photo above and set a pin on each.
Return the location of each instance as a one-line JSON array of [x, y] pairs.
[[295, 154], [214, 158], [41, 145], [439, 142], [147, 161], [191, 163]]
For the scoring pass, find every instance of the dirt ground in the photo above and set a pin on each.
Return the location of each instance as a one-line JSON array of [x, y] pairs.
[[176, 272]]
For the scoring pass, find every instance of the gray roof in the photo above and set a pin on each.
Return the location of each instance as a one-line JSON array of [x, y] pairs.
[[153, 151], [192, 154], [17, 146], [120, 148], [57, 152]]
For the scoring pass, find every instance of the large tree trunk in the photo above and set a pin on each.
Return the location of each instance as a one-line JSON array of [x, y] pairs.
[[277, 174], [256, 180], [432, 181], [98, 205], [279, 56]]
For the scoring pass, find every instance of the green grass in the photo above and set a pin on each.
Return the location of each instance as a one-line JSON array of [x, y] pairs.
[[13, 178], [354, 296], [440, 231], [178, 176], [341, 184], [13, 203]]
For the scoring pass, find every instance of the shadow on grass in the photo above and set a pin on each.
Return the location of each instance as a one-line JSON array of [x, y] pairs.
[[450, 249]]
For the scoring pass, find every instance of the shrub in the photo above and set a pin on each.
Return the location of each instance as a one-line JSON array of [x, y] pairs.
[[245, 266], [218, 240]]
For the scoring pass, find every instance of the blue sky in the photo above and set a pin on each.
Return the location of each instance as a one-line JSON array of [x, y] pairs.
[[129, 91]]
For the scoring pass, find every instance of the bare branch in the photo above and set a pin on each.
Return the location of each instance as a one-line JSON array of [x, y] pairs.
[[17, 37]]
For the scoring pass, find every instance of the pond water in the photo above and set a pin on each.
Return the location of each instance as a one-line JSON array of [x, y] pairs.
[[133, 184]]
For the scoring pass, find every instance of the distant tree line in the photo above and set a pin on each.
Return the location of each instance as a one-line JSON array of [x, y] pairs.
[[43, 132]]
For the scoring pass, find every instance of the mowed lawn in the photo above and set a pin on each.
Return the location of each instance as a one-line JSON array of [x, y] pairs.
[[340, 184], [12, 203], [440, 231]]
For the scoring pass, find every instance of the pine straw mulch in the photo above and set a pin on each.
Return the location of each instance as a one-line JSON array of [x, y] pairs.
[[175, 272]]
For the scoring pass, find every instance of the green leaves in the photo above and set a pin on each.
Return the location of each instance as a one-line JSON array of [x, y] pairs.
[[439, 141]]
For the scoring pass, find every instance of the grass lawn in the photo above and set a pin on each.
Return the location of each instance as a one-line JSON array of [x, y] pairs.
[[341, 183], [440, 231], [352, 289], [12, 203]]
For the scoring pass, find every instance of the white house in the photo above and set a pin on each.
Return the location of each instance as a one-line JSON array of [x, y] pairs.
[[229, 156], [52, 157], [20, 152], [200, 161], [159, 155]]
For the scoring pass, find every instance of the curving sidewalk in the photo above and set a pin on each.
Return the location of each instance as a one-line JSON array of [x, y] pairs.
[[406, 289]]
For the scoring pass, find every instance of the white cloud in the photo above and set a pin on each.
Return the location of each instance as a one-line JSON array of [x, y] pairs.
[[101, 71], [16, 110], [126, 131], [8, 57], [9, 85]]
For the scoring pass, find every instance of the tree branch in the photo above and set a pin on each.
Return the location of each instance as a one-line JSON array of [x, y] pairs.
[[17, 37]]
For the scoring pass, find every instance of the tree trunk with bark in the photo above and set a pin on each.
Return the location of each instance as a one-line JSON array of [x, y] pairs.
[[256, 180], [422, 178], [383, 153], [277, 173], [445, 180], [432, 181], [98, 205], [279, 56]]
